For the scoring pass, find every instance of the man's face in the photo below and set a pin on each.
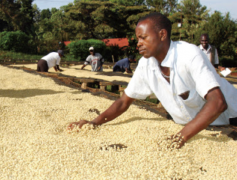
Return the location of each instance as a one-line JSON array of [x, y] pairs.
[[204, 41], [91, 52], [149, 43], [60, 55]]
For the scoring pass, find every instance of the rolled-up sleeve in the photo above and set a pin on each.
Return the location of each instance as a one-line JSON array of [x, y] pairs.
[[138, 88], [203, 74]]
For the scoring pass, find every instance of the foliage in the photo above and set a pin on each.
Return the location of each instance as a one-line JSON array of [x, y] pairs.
[[104, 19], [80, 49], [115, 53], [16, 41], [163, 6], [120, 2], [51, 31], [45, 13], [227, 61], [18, 14], [188, 20], [129, 3], [17, 56], [222, 33], [100, 20]]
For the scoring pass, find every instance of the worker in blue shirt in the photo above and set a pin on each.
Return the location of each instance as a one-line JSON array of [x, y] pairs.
[[124, 64]]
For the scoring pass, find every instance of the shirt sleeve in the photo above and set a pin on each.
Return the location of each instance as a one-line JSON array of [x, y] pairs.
[[58, 61], [203, 73], [88, 60], [138, 88]]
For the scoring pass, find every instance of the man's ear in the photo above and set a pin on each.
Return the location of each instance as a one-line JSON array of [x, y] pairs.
[[163, 34]]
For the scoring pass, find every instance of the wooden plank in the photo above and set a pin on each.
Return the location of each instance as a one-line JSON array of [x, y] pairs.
[[106, 83], [87, 80], [120, 83]]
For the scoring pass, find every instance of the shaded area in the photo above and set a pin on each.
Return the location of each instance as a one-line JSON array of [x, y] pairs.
[[24, 93], [79, 69], [229, 130], [114, 74], [137, 119]]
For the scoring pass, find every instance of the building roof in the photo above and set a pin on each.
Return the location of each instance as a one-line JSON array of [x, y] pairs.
[[121, 42], [67, 42]]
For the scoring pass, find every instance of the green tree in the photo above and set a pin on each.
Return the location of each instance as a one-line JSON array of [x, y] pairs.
[[9, 11], [187, 21], [100, 20], [222, 31], [18, 14], [129, 3], [163, 6], [120, 2], [37, 15], [45, 13]]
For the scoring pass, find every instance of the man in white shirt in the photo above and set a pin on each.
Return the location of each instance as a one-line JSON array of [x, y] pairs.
[[95, 60], [181, 77], [51, 60], [209, 50]]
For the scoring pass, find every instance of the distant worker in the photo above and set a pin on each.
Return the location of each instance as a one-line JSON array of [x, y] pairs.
[[51, 60], [209, 50], [124, 64], [95, 60]]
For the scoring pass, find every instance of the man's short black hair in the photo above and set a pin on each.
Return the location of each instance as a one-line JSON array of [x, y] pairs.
[[205, 34], [160, 21]]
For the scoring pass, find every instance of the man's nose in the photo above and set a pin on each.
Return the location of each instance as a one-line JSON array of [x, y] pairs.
[[139, 43]]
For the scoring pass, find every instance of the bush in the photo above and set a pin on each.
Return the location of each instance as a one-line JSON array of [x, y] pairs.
[[228, 61], [16, 41], [115, 51], [80, 49]]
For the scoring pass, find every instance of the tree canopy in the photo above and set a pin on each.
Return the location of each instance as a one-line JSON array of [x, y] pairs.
[[102, 19]]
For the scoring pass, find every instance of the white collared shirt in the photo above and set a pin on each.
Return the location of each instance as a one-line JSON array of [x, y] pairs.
[[52, 59], [190, 70], [208, 53]]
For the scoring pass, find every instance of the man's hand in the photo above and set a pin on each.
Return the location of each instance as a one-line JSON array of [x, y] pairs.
[[176, 141], [213, 107], [117, 108], [79, 124]]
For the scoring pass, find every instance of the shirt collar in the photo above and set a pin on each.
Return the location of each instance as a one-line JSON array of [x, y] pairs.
[[167, 62], [169, 58], [208, 48]]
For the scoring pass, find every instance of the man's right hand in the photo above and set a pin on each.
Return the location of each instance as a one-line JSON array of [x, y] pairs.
[[79, 124]]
